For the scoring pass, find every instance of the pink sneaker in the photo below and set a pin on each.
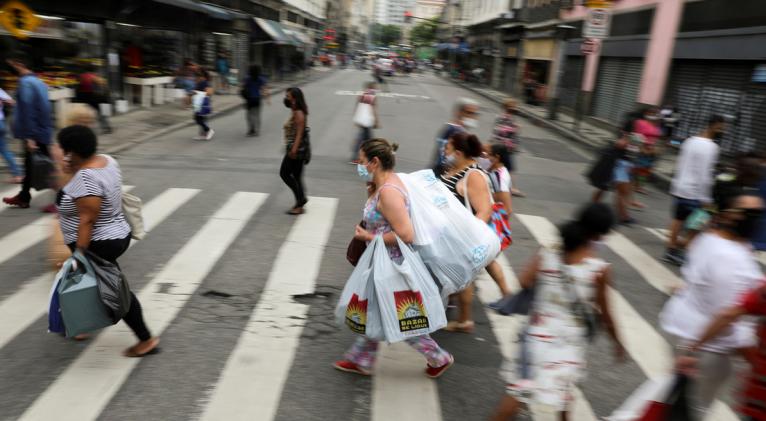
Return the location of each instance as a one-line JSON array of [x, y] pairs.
[[350, 367], [434, 372], [50, 208]]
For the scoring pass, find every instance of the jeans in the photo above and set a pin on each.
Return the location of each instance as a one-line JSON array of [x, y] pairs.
[[26, 185], [292, 174], [110, 250], [254, 118], [365, 134], [7, 154], [201, 120]]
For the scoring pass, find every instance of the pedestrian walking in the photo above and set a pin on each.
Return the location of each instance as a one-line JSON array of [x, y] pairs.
[[186, 79], [90, 210], [752, 393], [386, 213], [254, 91], [506, 132], [92, 90], [203, 106], [10, 159], [32, 123], [223, 68], [468, 182], [692, 183], [298, 148], [648, 126], [365, 117], [571, 285], [622, 177], [465, 114], [719, 269], [502, 186]]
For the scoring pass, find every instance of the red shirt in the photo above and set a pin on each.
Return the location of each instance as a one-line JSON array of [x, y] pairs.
[[754, 392]]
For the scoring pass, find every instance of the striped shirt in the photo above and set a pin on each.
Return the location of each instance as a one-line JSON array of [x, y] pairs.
[[452, 181], [105, 183]]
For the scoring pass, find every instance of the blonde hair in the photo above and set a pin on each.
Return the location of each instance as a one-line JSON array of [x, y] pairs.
[[382, 149], [80, 114]]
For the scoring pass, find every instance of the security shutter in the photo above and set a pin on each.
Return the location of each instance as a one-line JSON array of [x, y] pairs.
[[241, 54], [700, 89], [571, 81], [617, 88], [509, 74]]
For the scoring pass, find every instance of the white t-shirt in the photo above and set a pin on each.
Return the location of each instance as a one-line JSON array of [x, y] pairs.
[[501, 180], [717, 273], [694, 170], [3, 97]]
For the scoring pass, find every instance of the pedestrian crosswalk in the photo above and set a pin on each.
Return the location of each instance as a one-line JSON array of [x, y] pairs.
[[253, 380]]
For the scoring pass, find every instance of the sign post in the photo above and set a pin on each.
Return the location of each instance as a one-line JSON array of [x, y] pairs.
[[598, 24]]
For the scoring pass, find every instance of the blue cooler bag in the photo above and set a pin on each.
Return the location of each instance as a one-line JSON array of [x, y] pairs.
[[79, 299]]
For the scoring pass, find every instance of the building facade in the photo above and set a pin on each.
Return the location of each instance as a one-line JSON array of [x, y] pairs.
[[391, 12]]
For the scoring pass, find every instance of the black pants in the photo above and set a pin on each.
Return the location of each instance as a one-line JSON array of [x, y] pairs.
[[365, 134], [292, 174], [110, 250], [24, 195], [202, 121]]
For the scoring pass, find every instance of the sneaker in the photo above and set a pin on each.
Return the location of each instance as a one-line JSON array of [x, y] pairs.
[[674, 257], [434, 372], [49, 209], [497, 305], [210, 134], [350, 367], [15, 201]]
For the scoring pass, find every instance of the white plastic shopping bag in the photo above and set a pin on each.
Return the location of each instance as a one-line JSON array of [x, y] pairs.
[[408, 298], [364, 115], [131, 208], [357, 308], [452, 242], [197, 100]]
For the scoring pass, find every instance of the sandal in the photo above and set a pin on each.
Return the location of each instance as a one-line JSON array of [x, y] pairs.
[[460, 327], [132, 353], [296, 211]]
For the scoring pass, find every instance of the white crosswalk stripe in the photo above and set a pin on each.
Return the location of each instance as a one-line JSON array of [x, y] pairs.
[[18, 310], [97, 374], [252, 383]]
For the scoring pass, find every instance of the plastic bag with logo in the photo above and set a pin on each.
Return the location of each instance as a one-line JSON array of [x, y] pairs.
[[454, 245], [407, 297], [357, 307]]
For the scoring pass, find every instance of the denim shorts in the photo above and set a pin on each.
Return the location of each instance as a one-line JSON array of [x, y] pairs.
[[683, 208], [622, 171]]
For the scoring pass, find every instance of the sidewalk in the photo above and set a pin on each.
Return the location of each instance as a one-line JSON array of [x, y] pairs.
[[593, 137], [142, 124]]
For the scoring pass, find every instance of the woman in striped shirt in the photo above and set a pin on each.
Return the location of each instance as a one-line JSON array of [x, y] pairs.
[[90, 209]]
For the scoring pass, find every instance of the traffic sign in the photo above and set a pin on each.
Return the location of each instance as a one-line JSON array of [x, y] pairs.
[[598, 23], [589, 46], [598, 4], [18, 19]]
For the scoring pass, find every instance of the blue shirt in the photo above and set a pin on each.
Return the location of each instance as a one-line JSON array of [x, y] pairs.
[[253, 87], [32, 118]]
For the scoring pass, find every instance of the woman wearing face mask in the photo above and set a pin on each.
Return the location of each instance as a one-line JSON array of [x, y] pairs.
[[386, 213], [464, 178], [506, 132], [719, 269], [648, 126], [298, 149]]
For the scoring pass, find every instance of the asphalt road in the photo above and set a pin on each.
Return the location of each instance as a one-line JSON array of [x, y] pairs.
[[204, 313]]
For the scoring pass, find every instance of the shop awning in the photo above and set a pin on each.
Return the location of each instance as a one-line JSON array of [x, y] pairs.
[[302, 38], [217, 12], [275, 31]]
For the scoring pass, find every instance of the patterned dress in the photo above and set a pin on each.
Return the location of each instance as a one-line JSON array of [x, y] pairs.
[[552, 357]]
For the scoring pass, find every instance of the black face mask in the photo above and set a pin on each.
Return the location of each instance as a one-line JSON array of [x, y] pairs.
[[288, 103], [747, 226], [717, 137]]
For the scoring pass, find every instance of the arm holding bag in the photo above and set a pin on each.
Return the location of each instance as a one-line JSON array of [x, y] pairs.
[[112, 285]]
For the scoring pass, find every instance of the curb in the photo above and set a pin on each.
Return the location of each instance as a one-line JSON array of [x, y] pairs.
[[659, 180], [222, 112]]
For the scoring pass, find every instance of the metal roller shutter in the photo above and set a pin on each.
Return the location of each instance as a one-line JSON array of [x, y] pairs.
[[702, 88], [617, 88], [571, 81], [509, 74]]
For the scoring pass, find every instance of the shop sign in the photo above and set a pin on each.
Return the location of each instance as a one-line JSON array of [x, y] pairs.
[[539, 49], [18, 19], [598, 23]]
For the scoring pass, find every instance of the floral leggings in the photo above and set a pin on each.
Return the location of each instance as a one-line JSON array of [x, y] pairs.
[[364, 350]]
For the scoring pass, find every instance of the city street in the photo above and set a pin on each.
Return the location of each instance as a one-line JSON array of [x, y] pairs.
[[242, 295]]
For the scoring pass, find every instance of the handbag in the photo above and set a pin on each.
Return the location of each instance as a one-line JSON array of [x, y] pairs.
[[356, 248], [131, 208], [41, 171], [364, 115], [498, 221], [79, 297]]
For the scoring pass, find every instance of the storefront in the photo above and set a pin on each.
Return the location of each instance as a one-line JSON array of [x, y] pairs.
[[275, 48], [538, 52], [616, 93]]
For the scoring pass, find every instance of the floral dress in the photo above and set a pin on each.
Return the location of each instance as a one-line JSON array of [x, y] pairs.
[[377, 224], [552, 357]]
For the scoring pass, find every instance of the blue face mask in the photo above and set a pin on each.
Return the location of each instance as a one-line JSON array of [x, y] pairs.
[[364, 174], [449, 160]]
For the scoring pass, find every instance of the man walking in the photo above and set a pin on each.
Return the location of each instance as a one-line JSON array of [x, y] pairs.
[[32, 124], [464, 119], [692, 184]]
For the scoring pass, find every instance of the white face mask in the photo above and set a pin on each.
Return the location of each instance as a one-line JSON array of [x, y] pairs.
[[471, 123], [449, 160], [484, 163]]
